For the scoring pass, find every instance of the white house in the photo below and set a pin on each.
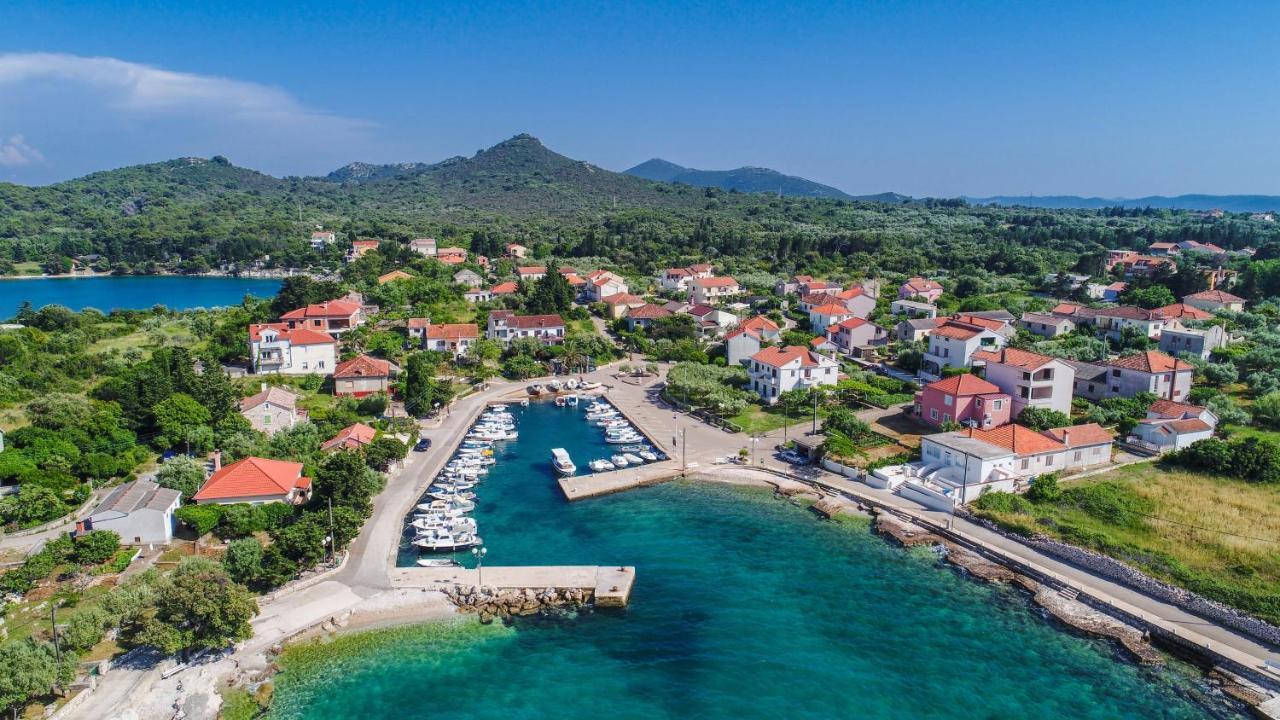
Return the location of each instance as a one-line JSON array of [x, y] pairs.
[[140, 512], [601, 284], [828, 314], [1046, 325], [913, 309], [1215, 300], [454, 338], [712, 321], [1177, 338], [321, 238], [678, 279], [423, 246], [531, 273], [709, 290], [505, 326], [776, 370], [275, 348], [1030, 379], [740, 345], [953, 344], [853, 333], [1173, 425], [860, 302]]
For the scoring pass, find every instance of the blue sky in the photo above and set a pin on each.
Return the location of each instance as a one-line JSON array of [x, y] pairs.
[[924, 98]]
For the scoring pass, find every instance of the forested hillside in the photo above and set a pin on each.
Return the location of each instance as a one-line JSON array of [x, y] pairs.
[[191, 214]]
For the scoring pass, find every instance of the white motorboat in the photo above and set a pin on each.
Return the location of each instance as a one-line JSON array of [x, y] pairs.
[[554, 386], [598, 406], [562, 462], [465, 496], [458, 524], [623, 439], [619, 461], [497, 406], [562, 401], [607, 412], [447, 542], [602, 465], [572, 400], [438, 563], [648, 456], [636, 448], [570, 384], [447, 506], [633, 458], [474, 444], [610, 423], [452, 485], [588, 385]]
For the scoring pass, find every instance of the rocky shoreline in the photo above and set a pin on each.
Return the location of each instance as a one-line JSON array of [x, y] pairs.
[[491, 604]]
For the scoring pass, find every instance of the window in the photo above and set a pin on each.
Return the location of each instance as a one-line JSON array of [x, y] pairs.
[[320, 365], [266, 419], [304, 365], [997, 404], [946, 417], [947, 400], [1026, 463], [1077, 456], [933, 413]]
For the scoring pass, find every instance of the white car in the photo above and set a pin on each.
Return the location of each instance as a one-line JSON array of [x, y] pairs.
[[793, 457]]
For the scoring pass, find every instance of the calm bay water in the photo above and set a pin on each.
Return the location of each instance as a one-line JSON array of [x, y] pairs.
[[131, 292], [744, 607]]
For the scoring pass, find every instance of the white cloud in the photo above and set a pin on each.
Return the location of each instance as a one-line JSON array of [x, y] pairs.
[[14, 151], [89, 113], [143, 89]]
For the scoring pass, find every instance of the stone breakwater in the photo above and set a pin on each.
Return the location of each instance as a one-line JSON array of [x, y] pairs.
[[1113, 569], [504, 604]]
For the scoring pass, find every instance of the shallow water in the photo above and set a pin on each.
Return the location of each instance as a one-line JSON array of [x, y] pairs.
[[744, 607], [131, 292]]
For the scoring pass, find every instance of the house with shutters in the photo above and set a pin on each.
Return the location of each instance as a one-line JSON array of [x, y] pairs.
[[333, 316], [272, 410], [644, 315], [712, 290], [256, 481], [601, 284], [953, 344], [531, 273], [455, 338], [417, 329], [505, 326], [276, 348], [423, 246], [853, 333], [965, 400], [1212, 300], [775, 370], [362, 375], [920, 288], [1031, 379]]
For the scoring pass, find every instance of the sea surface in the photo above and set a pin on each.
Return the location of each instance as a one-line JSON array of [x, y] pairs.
[[131, 292], [745, 606]]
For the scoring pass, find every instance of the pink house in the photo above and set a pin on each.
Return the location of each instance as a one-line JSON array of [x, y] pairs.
[[918, 287], [964, 399]]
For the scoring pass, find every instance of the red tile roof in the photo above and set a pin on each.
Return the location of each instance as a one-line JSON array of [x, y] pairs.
[[759, 323], [363, 366], [725, 281], [1150, 362], [849, 324], [830, 309], [621, 299], [648, 311], [504, 288], [329, 309], [1019, 439], [958, 331], [1174, 410], [780, 356], [253, 477], [963, 385], [393, 276], [982, 322], [453, 331], [1215, 296], [920, 285], [1183, 311], [1080, 435], [297, 336], [1014, 357], [351, 437], [528, 322], [419, 322], [531, 270]]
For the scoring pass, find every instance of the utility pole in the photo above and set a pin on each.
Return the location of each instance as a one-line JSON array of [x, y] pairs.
[[333, 539], [684, 449], [815, 409]]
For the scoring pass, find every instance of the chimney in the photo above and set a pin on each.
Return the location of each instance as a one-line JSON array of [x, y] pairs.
[[1066, 438], [217, 460]]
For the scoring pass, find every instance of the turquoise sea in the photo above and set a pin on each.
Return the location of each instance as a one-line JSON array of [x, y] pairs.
[[131, 292], [745, 607]]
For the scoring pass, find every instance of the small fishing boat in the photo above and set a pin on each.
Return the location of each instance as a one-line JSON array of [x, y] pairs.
[[623, 439], [602, 465], [452, 485], [465, 496], [427, 524], [648, 456], [562, 401], [554, 386], [619, 461], [635, 448], [588, 385], [447, 506], [438, 562], [534, 389], [572, 400], [497, 406], [633, 458], [562, 462]]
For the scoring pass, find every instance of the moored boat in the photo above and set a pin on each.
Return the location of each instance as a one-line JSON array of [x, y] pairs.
[[561, 461]]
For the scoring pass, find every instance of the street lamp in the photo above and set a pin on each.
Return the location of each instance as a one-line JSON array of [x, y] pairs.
[[479, 553], [755, 440]]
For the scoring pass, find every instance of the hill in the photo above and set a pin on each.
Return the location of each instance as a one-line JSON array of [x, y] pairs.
[[1227, 203], [744, 179]]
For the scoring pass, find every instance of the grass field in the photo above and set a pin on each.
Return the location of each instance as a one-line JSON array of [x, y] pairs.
[[1216, 536], [756, 419]]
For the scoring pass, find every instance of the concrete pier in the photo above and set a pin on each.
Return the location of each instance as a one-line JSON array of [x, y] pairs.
[[611, 585], [606, 483]]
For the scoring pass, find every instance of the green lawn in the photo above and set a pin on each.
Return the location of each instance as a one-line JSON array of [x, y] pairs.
[[1247, 431], [757, 419], [1216, 536]]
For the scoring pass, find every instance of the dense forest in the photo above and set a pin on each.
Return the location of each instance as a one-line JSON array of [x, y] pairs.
[[192, 214]]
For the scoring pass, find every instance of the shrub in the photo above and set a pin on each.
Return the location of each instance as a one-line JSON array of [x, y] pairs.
[[96, 547], [1038, 418], [1044, 489], [200, 518], [1002, 502], [1110, 502]]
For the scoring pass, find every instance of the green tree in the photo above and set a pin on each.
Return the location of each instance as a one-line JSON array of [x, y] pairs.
[[181, 473], [96, 547], [345, 478], [29, 670], [1150, 297], [1266, 409], [1038, 418], [198, 606], [178, 418], [1044, 489], [244, 560], [383, 451]]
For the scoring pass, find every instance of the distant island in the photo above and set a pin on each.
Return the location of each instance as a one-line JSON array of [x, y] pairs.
[[1226, 203], [748, 179]]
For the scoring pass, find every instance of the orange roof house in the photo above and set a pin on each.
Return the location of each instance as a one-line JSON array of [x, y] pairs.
[[255, 480], [393, 276], [352, 437], [362, 376]]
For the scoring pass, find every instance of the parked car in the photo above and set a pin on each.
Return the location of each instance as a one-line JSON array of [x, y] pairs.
[[793, 457], [423, 445]]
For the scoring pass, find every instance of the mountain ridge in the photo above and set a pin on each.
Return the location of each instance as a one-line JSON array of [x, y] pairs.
[[747, 178]]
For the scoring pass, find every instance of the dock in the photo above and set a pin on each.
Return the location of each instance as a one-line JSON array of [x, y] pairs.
[[610, 585], [577, 487]]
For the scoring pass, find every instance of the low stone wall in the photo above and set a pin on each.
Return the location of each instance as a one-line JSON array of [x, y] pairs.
[[1113, 569]]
